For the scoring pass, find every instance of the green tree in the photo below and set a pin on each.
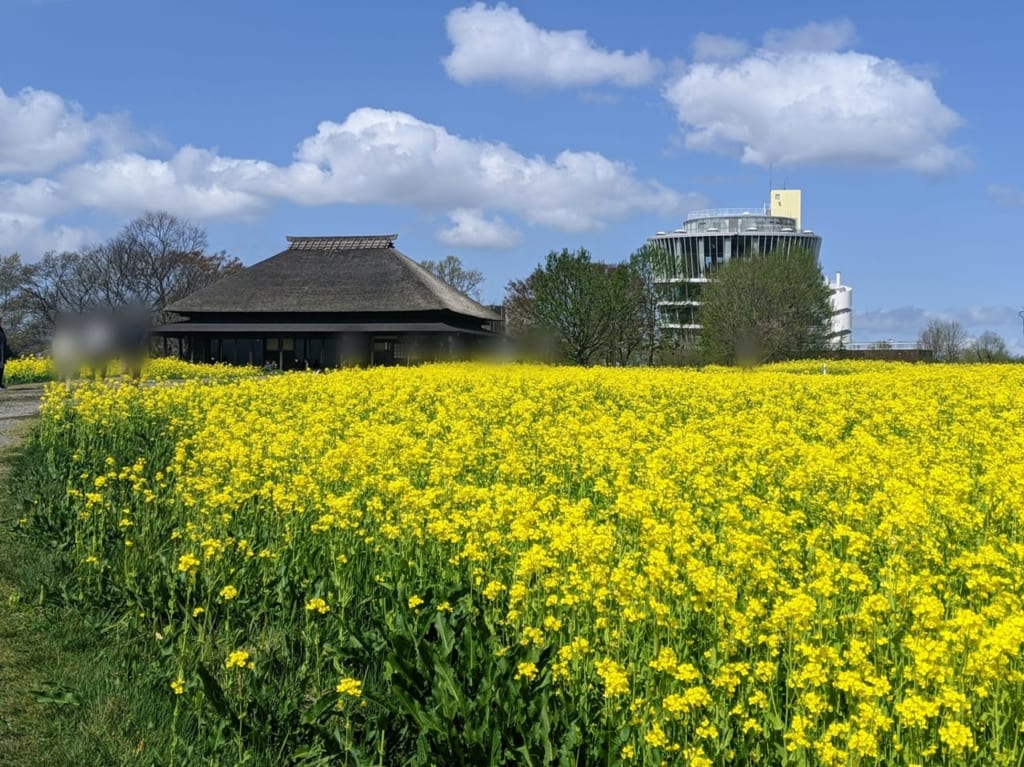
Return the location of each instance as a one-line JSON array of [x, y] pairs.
[[586, 311], [644, 265], [624, 305], [766, 309], [571, 304], [451, 270]]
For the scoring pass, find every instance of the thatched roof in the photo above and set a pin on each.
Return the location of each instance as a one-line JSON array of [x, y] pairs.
[[333, 274]]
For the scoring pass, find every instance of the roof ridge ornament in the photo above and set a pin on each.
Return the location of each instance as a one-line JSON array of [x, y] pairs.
[[354, 242]]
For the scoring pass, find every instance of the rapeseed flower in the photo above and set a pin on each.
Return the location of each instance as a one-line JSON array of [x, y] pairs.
[[352, 688], [806, 561], [316, 604], [239, 659], [228, 593], [526, 670]]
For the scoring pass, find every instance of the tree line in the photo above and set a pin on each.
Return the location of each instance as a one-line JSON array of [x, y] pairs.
[[154, 260], [949, 342], [571, 308], [764, 309], [576, 310]]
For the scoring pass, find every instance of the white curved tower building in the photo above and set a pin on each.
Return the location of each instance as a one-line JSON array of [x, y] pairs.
[[709, 238]]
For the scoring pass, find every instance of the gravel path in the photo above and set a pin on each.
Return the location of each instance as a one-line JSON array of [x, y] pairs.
[[19, 407]]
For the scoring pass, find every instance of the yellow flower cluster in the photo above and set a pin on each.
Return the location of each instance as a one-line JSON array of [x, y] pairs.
[[239, 659], [39, 369], [316, 604], [730, 562], [29, 370], [229, 592], [353, 688], [526, 670]]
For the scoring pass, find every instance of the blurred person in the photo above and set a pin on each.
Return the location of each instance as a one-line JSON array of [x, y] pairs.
[[5, 354], [93, 339]]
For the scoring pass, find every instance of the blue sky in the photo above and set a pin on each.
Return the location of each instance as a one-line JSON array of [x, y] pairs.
[[498, 132]]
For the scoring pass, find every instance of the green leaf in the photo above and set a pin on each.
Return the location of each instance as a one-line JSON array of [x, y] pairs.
[[326, 703], [215, 694], [424, 720], [55, 695], [444, 633]]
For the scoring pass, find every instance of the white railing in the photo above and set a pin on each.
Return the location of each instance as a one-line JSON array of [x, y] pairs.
[[874, 345], [763, 210]]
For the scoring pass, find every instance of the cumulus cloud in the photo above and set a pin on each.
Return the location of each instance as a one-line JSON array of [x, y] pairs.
[[22, 233], [499, 44], [40, 131], [40, 197], [717, 47], [189, 184], [373, 157], [379, 156], [472, 229], [800, 100]]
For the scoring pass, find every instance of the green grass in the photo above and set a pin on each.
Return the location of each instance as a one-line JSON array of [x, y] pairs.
[[67, 694]]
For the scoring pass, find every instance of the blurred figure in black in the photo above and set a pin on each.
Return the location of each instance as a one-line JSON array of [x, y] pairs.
[[131, 340], [93, 339], [5, 354]]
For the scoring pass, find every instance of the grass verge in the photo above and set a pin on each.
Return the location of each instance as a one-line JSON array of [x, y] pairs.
[[67, 694]]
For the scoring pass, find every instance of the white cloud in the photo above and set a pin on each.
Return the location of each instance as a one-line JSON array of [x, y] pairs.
[[40, 131], [39, 197], [380, 156], [373, 157], [812, 37], [717, 47], [801, 103], [472, 229], [499, 44], [1006, 195], [30, 236], [188, 184]]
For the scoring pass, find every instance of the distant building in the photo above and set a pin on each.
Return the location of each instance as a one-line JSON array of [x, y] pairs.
[[710, 238], [331, 302], [842, 312]]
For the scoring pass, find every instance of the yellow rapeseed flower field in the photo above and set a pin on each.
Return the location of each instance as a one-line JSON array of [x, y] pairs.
[[38, 369], [638, 566]]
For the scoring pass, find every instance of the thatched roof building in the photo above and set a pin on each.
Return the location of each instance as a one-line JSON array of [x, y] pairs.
[[331, 301]]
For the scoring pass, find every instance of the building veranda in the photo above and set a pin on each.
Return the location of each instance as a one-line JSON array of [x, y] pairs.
[[331, 302]]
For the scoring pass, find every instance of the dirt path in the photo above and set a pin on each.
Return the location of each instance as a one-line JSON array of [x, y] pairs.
[[19, 406]]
